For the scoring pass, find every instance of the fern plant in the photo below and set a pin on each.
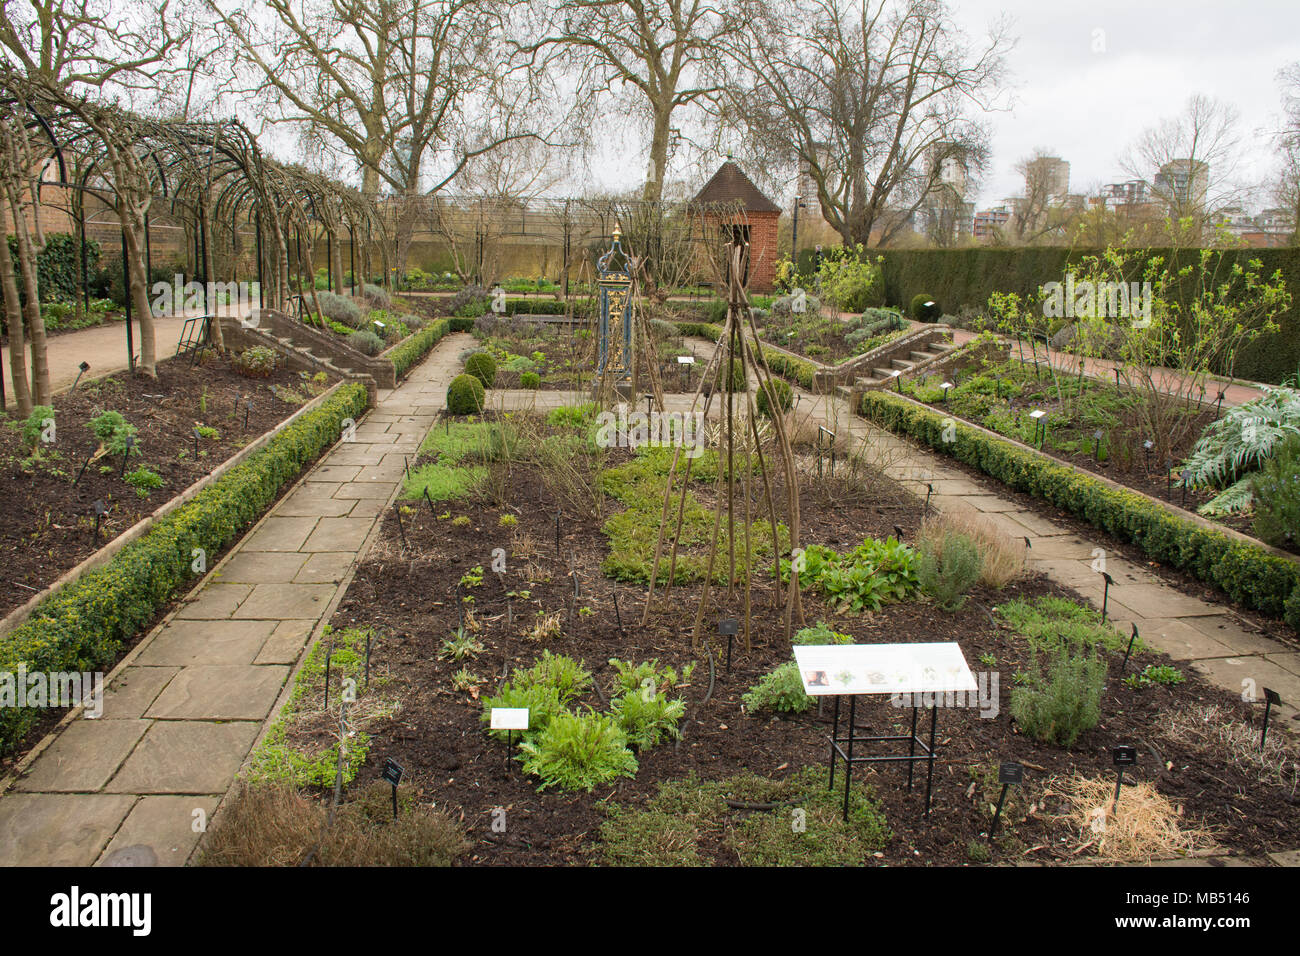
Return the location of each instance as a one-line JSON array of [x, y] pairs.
[[648, 718], [578, 752]]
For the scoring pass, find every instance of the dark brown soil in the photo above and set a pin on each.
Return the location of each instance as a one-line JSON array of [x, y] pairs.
[[47, 522], [411, 600]]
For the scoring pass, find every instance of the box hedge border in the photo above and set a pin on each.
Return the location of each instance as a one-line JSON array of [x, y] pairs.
[[84, 626], [1250, 575]]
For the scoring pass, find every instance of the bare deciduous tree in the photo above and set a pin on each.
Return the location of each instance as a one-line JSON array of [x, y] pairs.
[[665, 50], [870, 99]]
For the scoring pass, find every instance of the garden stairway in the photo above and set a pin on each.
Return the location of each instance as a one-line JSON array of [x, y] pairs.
[[183, 710], [902, 357]]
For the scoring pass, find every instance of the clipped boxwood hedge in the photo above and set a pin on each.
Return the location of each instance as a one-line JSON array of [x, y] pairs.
[[85, 625], [798, 370], [417, 346], [1250, 575]]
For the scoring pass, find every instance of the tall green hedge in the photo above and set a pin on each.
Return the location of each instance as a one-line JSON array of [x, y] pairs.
[[85, 625], [1250, 575], [967, 277]]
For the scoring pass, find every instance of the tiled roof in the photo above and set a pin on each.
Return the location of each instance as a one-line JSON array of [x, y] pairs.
[[730, 185]]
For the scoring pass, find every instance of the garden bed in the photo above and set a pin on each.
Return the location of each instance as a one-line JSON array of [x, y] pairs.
[[1001, 396], [434, 574], [828, 339], [49, 522]]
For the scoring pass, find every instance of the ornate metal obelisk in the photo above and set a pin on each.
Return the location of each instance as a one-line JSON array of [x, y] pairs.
[[614, 359]]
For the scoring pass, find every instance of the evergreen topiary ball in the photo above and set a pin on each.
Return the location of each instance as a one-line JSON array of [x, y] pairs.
[[784, 397], [530, 380], [925, 309], [483, 367], [465, 395]]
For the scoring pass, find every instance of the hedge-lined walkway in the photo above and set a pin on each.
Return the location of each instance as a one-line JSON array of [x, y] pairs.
[[184, 708]]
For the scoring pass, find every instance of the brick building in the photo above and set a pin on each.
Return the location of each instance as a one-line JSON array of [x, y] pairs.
[[730, 201]]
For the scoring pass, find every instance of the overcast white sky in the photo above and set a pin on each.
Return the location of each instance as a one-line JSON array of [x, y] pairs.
[[1087, 107]]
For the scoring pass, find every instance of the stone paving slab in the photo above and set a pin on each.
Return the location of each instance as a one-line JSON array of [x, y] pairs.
[[185, 756], [159, 831], [58, 829], [184, 643], [220, 692], [270, 602], [85, 756], [220, 600], [129, 694], [280, 534], [339, 534], [1178, 639], [263, 567], [286, 643]]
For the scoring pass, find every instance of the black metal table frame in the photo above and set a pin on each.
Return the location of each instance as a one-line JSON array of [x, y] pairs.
[[837, 751]]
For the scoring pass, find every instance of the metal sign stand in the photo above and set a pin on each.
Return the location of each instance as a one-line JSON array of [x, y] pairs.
[[842, 748]]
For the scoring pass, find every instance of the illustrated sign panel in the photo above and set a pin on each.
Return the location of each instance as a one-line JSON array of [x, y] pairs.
[[830, 669]]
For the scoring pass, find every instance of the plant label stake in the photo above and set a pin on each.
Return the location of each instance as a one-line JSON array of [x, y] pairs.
[[1008, 773], [1182, 480], [82, 369], [1270, 698], [1169, 477], [1039, 426], [618, 616], [898, 534], [1028, 544], [1122, 756], [945, 386], [429, 499], [1105, 593], [1129, 650], [729, 628], [406, 464], [126, 453], [248, 407], [99, 514], [329, 662], [393, 774], [1147, 445], [196, 444], [84, 467], [929, 490], [1219, 404], [1096, 447], [397, 511], [508, 719]]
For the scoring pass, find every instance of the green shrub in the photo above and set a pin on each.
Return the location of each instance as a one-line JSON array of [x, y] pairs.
[[864, 579], [579, 752], [483, 367], [948, 567], [530, 380], [648, 718], [566, 676], [338, 308], [780, 690], [85, 625], [257, 361], [34, 426], [1057, 706], [851, 282], [465, 395], [1162, 674], [820, 633], [925, 309], [144, 481], [1249, 575], [366, 342], [1277, 497], [113, 430], [784, 397]]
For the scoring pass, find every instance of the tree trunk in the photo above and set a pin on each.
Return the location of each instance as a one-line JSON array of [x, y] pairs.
[[654, 188], [40, 389], [17, 342], [210, 273], [133, 230]]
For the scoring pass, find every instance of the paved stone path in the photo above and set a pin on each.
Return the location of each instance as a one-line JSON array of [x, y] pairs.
[[183, 709]]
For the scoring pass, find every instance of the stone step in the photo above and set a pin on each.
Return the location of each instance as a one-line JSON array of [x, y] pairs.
[[904, 364], [923, 356]]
